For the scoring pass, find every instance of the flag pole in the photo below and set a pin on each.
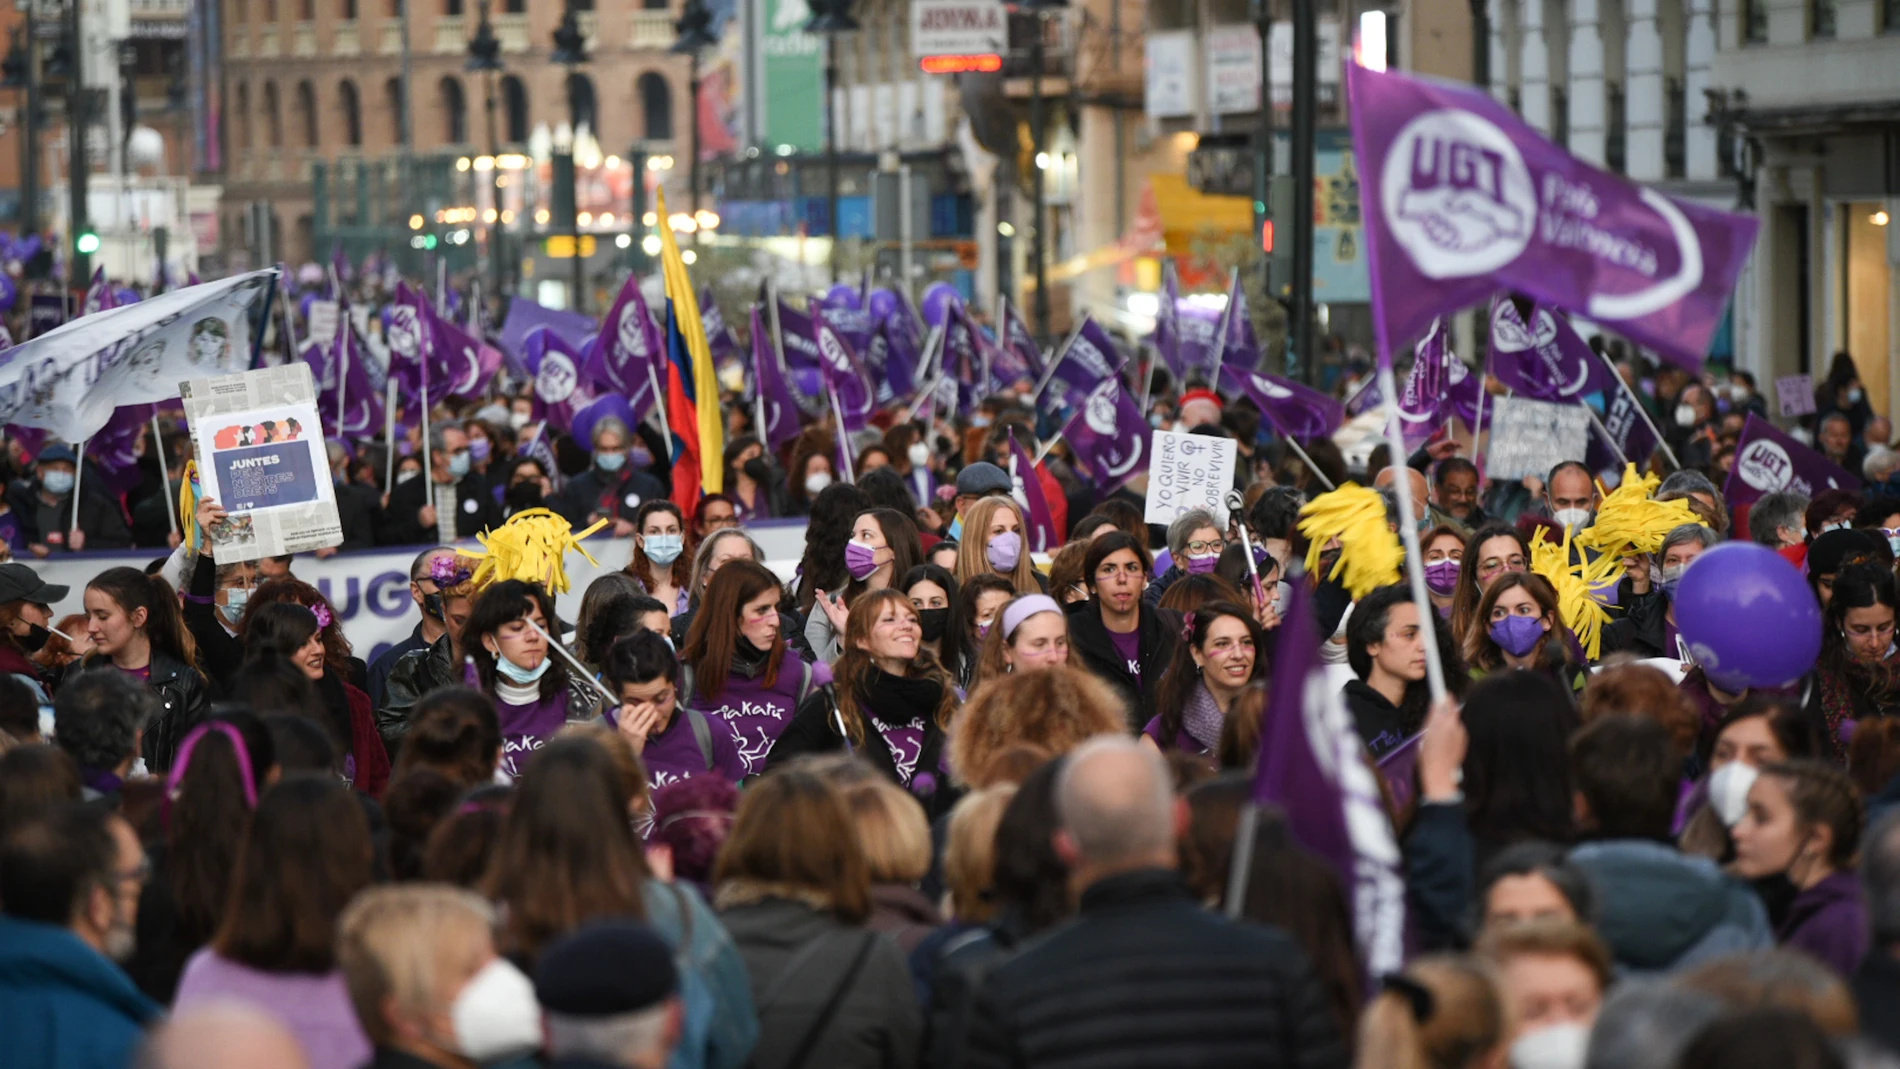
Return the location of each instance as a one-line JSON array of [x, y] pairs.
[[1661, 442], [342, 377], [1235, 501], [1055, 361], [165, 469], [389, 434], [844, 450], [580, 671], [1408, 533], [1242, 858], [1477, 431], [659, 406], [428, 468], [1046, 446], [79, 476], [1148, 381]]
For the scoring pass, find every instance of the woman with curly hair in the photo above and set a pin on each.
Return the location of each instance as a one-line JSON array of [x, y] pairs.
[[1052, 711], [890, 701], [305, 635], [662, 554], [535, 694]]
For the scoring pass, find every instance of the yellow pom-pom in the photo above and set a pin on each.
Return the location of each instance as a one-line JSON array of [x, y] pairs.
[[1369, 553], [531, 547], [1629, 521], [1580, 588]]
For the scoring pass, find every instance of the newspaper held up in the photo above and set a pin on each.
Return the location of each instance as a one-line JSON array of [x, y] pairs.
[[260, 449]]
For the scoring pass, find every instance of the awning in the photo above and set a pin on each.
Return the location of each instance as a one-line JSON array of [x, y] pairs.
[[1185, 214]]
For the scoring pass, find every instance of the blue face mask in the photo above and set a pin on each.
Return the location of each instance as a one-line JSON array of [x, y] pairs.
[[1517, 635], [233, 607], [610, 461], [514, 673], [459, 462], [664, 549], [57, 483]]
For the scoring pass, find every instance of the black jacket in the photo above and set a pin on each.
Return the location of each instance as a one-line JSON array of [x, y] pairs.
[[415, 675], [1159, 630], [1382, 726], [1877, 991], [590, 492], [1642, 627], [475, 511], [814, 730], [99, 515], [183, 692], [1145, 977], [222, 651], [359, 509]]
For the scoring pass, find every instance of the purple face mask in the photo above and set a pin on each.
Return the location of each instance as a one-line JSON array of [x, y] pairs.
[[1441, 577], [1005, 551], [860, 560], [1517, 635], [1203, 564]]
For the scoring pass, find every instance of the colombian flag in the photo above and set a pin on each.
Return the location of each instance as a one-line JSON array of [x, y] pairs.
[[692, 387]]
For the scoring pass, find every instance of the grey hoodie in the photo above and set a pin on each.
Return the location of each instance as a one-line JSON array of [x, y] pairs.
[[1662, 910]]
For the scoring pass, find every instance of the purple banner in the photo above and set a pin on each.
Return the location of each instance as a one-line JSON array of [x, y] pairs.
[[559, 390], [1239, 345], [1466, 199], [1768, 461], [1167, 336], [846, 377], [781, 407], [1090, 358], [1542, 357], [628, 356], [1109, 436], [1439, 387], [1292, 409], [525, 315], [1627, 429]]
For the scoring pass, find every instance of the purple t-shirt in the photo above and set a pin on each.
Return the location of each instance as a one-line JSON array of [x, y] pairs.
[[905, 740], [1129, 646], [673, 756], [527, 728], [1183, 741], [754, 714]]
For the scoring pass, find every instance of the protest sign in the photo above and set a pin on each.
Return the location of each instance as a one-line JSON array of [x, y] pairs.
[[322, 323], [1796, 394], [46, 312], [1189, 471], [1531, 437], [1768, 461], [260, 450]]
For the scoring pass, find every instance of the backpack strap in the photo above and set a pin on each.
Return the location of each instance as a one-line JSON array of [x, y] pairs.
[[686, 685], [816, 1030], [702, 734]]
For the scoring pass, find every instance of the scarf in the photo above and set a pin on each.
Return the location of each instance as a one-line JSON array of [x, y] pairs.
[[880, 690], [1202, 718]]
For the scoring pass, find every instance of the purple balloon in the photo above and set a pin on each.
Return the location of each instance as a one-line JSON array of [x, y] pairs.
[[937, 301], [844, 295], [883, 304], [1748, 617]]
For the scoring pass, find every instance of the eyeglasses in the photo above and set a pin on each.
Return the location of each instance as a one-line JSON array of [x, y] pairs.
[[1196, 549]]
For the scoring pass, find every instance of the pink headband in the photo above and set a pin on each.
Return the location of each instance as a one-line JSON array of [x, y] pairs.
[[1023, 608], [183, 760]]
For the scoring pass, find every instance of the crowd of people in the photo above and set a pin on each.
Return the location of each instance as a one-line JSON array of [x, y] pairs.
[[938, 799]]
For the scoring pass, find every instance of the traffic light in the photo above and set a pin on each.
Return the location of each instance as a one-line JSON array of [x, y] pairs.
[[1276, 233], [86, 242]]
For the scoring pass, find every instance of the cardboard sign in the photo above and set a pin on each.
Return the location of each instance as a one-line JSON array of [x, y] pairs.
[[324, 317], [1531, 437], [1189, 471], [261, 455], [1796, 394]]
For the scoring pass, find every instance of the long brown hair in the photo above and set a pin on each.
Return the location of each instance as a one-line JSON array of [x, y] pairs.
[[793, 833], [164, 621], [714, 636], [1464, 603], [1482, 652], [641, 566], [855, 664], [900, 534], [1183, 675], [307, 853], [567, 854], [336, 647], [973, 551]]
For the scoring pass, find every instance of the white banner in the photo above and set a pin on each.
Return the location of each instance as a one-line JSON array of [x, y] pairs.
[[69, 380], [370, 591], [1189, 471]]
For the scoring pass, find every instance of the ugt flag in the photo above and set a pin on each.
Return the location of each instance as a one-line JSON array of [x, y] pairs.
[[1109, 435], [1768, 461], [627, 356], [1467, 199], [780, 408], [1541, 356], [1089, 358], [1294, 409], [1440, 387]]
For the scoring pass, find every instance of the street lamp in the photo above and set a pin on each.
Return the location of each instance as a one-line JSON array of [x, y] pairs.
[[570, 51], [831, 19], [484, 58], [1037, 125], [695, 29]]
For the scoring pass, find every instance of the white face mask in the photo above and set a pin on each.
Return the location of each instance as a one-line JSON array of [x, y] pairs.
[[1728, 791], [495, 1015], [1685, 415], [1572, 518], [518, 420], [1559, 1046], [817, 481], [919, 454]]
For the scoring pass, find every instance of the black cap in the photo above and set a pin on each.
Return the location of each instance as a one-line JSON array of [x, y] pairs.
[[982, 478], [1830, 549], [21, 583], [605, 970]]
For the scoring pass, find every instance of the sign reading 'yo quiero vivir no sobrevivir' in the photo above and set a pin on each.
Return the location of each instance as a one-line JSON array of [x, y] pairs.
[[1189, 471]]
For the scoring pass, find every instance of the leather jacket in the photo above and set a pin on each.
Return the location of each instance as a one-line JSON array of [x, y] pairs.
[[417, 673], [183, 693]]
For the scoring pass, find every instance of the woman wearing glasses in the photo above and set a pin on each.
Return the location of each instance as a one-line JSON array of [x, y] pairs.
[[1194, 547], [1120, 637]]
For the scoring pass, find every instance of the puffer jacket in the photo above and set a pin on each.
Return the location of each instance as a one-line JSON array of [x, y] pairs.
[[801, 958], [1145, 976], [1670, 910], [184, 694]]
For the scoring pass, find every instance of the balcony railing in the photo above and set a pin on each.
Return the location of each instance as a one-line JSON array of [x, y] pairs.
[[348, 39], [389, 39], [303, 40], [513, 32], [651, 29], [268, 46], [451, 34]]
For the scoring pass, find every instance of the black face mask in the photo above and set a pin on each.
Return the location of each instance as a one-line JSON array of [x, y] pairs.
[[35, 638], [1777, 892], [932, 622], [757, 470], [432, 606]]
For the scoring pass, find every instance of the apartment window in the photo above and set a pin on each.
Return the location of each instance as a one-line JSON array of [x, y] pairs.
[[1615, 131], [352, 107], [307, 113], [582, 109], [656, 106], [1890, 16], [454, 112], [273, 118], [1755, 21], [1821, 19], [349, 10], [514, 109], [1675, 129], [451, 7]]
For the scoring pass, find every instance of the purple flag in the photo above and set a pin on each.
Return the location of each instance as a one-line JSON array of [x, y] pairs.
[[1627, 428], [99, 296], [466, 363], [781, 407], [1440, 387], [1167, 336], [898, 348], [1017, 355], [524, 315], [1089, 358], [1543, 358], [559, 390], [1200, 339], [629, 355], [963, 358], [9, 292], [799, 340], [1293, 409], [1039, 524], [845, 375], [1239, 345], [344, 360], [1313, 766], [1109, 435], [1768, 461], [113, 449], [719, 334], [1470, 200]]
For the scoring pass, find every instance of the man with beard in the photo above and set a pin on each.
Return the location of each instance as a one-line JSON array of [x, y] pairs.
[[70, 878]]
